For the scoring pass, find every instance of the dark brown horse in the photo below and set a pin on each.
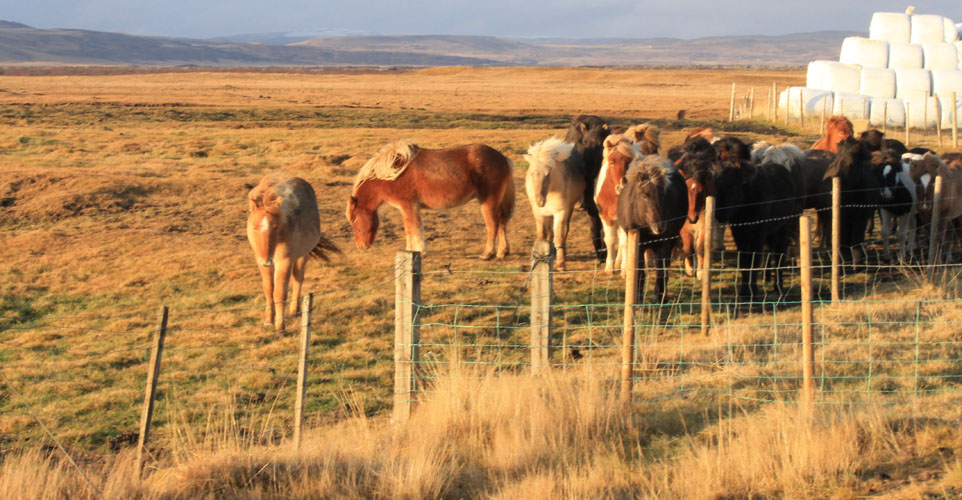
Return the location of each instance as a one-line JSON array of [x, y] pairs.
[[700, 185], [409, 177]]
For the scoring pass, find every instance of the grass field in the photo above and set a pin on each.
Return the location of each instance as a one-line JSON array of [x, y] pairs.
[[123, 193]]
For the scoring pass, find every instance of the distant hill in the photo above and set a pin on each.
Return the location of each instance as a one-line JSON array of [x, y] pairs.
[[21, 44]]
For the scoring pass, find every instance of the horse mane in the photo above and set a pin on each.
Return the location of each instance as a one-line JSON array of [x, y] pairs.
[[787, 155], [648, 134], [837, 128], [275, 194], [706, 133], [388, 164], [549, 152], [620, 143], [651, 168]]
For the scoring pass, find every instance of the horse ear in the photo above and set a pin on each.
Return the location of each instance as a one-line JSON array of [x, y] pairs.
[[582, 127]]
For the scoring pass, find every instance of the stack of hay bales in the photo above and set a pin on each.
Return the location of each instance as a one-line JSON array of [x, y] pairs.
[[906, 59]]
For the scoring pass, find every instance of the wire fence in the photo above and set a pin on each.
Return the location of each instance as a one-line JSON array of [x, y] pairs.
[[891, 338]]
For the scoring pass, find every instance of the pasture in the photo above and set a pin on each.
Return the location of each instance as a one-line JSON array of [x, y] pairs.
[[123, 193]]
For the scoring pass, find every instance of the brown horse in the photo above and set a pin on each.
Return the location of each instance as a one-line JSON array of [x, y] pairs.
[[284, 229], [837, 129], [618, 155], [699, 186], [409, 177]]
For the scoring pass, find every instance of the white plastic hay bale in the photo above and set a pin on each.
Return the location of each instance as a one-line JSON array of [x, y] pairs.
[[891, 27], [815, 77], [912, 83], [940, 56], [922, 112], [878, 82], [864, 52], [891, 109], [928, 28], [958, 31], [944, 82], [951, 32], [840, 77], [851, 106], [958, 51], [811, 99], [905, 56]]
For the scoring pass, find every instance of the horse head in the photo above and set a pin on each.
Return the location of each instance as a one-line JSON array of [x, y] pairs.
[[852, 157], [364, 221], [640, 203], [923, 170], [265, 224]]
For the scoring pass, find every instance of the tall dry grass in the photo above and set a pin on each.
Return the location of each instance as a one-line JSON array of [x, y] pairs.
[[561, 436]]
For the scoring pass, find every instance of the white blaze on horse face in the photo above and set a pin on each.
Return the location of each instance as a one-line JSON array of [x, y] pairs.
[[925, 180]]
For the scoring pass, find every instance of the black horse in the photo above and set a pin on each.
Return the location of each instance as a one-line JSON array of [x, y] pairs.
[[654, 201], [587, 133], [861, 196], [758, 202]]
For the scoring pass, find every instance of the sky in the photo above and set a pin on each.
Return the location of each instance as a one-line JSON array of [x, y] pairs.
[[503, 18]]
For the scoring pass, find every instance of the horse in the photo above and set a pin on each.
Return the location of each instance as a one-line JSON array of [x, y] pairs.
[[861, 194], [924, 171], [284, 230], [646, 137], [653, 202], [555, 183], [587, 133], [410, 178], [758, 201], [700, 185], [618, 155], [837, 128], [898, 198]]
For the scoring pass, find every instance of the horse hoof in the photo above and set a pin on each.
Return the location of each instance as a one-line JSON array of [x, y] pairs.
[[487, 256]]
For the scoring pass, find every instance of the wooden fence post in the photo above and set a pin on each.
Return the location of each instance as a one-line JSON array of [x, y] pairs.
[[955, 122], [821, 122], [908, 122], [542, 256], [925, 115], [628, 334], [836, 234], [775, 101], [407, 332], [153, 373], [808, 352], [307, 303], [707, 221], [751, 104], [935, 234], [938, 118], [731, 107], [801, 108], [885, 116]]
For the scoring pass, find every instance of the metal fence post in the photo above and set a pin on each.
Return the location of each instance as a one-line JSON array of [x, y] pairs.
[[542, 255], [153, 374], [628, 334], [407, 335], [307, 303]]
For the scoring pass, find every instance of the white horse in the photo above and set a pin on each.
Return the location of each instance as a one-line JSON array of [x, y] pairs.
[[555, 184]]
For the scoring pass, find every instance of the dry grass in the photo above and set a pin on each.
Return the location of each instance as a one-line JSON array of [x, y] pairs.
[[119, 194]]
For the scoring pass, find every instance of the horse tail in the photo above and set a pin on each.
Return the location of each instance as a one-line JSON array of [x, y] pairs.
[[324, 248], [506, 207]]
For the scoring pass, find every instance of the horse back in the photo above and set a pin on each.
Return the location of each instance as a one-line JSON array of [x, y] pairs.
[[446, 178]]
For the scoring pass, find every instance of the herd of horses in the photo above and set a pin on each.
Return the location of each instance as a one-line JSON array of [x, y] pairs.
[[625, 181]]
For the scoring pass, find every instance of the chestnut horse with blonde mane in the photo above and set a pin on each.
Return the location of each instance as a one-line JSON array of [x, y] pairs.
[[410, 178], [284, 230], [837, 129]]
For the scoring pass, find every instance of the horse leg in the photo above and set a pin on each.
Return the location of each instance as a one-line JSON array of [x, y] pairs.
[[413, 230], [503, 248], [688, 248], [887, 232], [282, 277], [611, 244], [661, 273], [489, 209], [561, 224], [267, 280], [297, 273], [594, 220]]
